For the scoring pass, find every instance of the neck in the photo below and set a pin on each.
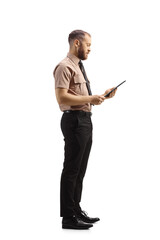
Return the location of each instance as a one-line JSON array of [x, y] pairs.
[[71, 51]]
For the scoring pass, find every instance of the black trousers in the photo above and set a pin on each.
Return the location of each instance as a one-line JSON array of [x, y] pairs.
[[77, 131]]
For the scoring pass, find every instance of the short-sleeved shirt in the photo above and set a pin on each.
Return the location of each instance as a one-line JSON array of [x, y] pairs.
[[68, 75]]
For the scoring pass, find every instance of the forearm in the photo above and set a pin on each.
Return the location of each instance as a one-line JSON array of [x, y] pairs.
[[73, 100]]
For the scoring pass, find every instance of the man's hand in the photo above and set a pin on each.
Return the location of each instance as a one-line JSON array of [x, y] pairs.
[[111, 94], [97, 99]]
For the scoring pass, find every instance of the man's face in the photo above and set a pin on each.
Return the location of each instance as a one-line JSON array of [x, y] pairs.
[[84, 48]]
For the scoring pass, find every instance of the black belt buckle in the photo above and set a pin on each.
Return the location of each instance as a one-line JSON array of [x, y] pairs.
[[67, 111]]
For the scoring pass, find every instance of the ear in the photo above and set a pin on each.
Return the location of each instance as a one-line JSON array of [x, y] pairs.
[[76, 43]]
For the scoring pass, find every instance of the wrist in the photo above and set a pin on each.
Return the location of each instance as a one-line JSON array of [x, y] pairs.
[[90, 98]]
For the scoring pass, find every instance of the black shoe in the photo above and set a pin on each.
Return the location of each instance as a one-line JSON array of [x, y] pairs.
[[75, 223], [83, 216]]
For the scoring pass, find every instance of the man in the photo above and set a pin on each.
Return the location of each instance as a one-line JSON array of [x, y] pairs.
[[75, 100]]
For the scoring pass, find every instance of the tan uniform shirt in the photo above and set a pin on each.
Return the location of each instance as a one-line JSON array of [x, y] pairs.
[[68, 75]]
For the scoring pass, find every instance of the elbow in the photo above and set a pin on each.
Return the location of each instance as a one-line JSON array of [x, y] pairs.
[[62, 96], [61, 100]]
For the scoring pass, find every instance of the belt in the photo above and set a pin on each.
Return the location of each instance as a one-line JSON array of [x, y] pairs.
[[80, 112]]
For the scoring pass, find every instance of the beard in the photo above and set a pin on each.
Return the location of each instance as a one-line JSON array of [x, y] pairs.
[[81, 53]]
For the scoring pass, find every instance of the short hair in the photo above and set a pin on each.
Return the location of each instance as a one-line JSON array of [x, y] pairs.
[[77, 34]]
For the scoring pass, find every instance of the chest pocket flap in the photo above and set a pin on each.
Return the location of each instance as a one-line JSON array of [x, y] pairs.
[[79, 79]]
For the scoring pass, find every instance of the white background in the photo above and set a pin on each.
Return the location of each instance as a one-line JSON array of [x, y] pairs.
[[122, 181]]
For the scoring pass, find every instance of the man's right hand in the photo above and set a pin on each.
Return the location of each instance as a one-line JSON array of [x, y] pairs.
[[97, 99]]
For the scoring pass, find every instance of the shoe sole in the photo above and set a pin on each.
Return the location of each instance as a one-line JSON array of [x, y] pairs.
[[66, 226]]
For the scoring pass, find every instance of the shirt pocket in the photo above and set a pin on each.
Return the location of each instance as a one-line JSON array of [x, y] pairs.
[[79, 82]]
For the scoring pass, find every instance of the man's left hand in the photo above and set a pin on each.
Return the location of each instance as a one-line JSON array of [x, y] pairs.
[[111, 94]]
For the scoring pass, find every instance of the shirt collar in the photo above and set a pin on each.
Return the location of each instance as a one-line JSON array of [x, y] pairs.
[[73, 58]]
